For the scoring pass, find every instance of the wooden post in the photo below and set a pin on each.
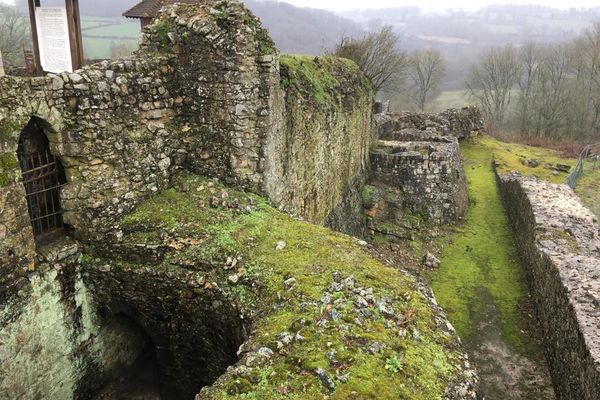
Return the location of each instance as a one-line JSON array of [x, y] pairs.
[[75, 40], [36, 45]]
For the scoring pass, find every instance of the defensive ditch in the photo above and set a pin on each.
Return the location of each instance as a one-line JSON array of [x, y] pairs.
[[481, 285]]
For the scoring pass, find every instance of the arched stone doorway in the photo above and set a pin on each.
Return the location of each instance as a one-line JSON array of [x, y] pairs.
[[43, 176]]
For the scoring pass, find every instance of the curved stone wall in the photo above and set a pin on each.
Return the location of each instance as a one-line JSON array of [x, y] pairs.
[[558, 239]]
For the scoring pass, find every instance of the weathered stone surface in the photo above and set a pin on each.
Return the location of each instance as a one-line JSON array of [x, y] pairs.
[[558, 238], [203, 93], [429, 177], [53, 343], [459, 123], [316, 159], [416, 163]]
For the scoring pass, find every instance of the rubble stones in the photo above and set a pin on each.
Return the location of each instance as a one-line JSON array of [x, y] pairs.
[[431, 261]]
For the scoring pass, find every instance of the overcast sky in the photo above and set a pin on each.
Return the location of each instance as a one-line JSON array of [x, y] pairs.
[[435, 4], [428, 4]]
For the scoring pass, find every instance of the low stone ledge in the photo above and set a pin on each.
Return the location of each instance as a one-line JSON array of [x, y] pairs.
[[558, 239]]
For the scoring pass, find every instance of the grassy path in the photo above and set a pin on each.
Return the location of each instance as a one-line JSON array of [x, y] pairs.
[[481, 285]]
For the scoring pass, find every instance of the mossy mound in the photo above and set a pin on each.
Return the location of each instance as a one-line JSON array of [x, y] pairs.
[[328, 320]]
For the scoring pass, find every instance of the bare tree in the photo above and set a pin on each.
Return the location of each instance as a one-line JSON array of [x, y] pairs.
[[587, 58], [529, 57], [492, 80], [14, 33], [378, 55], [426, 69]]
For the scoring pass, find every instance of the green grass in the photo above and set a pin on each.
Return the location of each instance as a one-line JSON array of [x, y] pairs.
[[480, 262], [127, 28], [510, 156], [588, 190], [101, 48], [313, 255]]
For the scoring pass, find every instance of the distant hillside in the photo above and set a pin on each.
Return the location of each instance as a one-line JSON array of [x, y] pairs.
[[302, 30]]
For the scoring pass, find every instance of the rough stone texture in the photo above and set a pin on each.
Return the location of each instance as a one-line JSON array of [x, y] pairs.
[[204, 93], [426, 177], [57, 346], [455, 122], [194, 327], [559, 241], [319, 154]]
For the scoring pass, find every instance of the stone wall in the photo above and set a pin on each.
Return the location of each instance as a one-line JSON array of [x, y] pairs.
[[194, 328], [454, 122], [318, 157], [53, 342], [416, 164], [204, 93], [559, 241]]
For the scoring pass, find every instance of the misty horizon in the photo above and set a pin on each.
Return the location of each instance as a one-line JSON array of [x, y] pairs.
[[425, 5]]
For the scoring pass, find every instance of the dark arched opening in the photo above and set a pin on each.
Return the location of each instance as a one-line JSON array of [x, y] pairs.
[[43, 176]]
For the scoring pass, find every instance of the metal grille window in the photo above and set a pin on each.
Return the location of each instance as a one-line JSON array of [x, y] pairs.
[[43, 177]]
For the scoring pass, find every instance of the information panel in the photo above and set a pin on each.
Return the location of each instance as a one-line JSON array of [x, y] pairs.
[[53, 37]]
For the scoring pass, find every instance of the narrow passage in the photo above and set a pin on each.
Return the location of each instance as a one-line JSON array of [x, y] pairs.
[[481, 285]]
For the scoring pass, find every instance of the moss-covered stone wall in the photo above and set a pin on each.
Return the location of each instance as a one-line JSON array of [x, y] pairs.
[[205, 93], [53, 342], [318, 157], [321, 316]]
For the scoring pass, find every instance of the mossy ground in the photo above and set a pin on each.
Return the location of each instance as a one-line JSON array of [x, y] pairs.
[[510, 157], [213, 223], [480, 260]]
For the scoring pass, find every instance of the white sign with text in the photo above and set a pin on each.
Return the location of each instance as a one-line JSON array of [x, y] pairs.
[[53, 37]]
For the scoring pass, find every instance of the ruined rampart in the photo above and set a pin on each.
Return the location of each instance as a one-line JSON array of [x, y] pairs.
[[559, 241], [416, 161], [204, 94]]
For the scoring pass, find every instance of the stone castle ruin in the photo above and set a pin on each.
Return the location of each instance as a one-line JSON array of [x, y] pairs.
[[165, 212], [208, 94]]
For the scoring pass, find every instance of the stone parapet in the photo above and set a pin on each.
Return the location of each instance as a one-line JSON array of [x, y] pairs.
[[558, 239]]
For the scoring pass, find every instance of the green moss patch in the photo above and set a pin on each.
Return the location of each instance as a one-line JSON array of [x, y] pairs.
[[588, 190], [514, 157], [8, 161], [320, 79], [338, 321], [480, 262]]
